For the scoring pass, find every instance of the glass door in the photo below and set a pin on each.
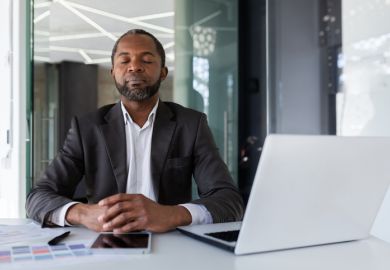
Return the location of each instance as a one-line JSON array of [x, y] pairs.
[[206, 61]]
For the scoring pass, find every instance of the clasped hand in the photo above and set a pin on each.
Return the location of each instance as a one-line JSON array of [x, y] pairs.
[[122, 213]]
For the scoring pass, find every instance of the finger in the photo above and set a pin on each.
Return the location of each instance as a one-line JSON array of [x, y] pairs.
[[115, 211], [115, 199], [121, 200], [136, 225], [120, 220]]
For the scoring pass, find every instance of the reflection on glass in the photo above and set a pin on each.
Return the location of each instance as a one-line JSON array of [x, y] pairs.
[[200, 82], [206, 61], [363, 104], [204, 39]]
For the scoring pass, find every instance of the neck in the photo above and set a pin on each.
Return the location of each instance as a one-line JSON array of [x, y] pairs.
[[139, 110]]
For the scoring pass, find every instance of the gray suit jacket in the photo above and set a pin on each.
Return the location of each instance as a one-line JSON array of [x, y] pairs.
[[95, 148]]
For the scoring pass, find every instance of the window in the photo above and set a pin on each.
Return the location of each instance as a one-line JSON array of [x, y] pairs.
[[363, 103]]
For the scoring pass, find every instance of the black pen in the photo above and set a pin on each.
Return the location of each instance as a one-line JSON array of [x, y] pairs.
[[58, 238]]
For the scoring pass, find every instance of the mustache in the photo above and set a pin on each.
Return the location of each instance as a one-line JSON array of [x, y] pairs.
[[134, 77]]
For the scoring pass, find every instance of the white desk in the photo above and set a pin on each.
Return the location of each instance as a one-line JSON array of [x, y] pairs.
[[176, 251]]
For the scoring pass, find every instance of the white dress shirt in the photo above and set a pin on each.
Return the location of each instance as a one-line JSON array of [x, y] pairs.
[[139, 179], [138, 149]]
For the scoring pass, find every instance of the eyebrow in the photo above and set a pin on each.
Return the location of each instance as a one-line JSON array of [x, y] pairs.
[[143, 53], [123, 53]]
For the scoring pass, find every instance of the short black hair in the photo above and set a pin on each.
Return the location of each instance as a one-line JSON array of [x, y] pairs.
[[159, 47]]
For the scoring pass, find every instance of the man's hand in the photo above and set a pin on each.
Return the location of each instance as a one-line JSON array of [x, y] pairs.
[[87, 215], [133, 212]]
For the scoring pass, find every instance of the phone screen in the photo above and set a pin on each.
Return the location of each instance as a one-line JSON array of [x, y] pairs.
[[127, 240]]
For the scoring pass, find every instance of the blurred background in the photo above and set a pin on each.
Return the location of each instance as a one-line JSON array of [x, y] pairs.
[[254, 67]]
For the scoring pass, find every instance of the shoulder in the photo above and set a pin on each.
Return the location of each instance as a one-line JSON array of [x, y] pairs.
[[181, 113], [100, 114]]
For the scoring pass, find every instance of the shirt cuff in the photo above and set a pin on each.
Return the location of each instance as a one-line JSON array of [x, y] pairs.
[[199, 213], [58, 216]]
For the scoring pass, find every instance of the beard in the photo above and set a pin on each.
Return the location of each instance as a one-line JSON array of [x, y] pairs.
[[137, 93]]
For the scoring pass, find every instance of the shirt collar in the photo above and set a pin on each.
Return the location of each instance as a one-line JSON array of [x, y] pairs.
[[127, 118]]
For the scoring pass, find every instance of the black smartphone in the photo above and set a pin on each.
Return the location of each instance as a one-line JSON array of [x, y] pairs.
[[139, 242]]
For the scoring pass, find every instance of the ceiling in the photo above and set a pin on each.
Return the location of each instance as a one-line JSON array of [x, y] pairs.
[[85, 30]]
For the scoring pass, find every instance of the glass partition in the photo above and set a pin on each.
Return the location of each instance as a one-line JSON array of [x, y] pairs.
[[200, 39], [363, 104], [206, 61], [364, 100]]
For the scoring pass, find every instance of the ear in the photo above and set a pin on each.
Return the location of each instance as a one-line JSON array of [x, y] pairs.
[[111, 72], [163, 73]]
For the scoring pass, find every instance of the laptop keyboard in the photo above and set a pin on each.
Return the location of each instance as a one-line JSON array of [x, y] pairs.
[[229, 236]]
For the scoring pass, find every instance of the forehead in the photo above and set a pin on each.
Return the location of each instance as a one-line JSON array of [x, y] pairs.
[[134, 43]]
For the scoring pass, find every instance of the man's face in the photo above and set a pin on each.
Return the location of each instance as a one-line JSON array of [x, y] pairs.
[[137, 70]]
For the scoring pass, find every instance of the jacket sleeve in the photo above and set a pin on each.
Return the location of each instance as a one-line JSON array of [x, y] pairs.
[[216, 189], [56, 186]]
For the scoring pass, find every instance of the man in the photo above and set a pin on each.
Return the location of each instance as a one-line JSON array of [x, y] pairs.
[[137, 157]]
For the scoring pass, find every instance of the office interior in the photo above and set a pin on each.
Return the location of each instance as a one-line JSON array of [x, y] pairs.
[[255, 67]]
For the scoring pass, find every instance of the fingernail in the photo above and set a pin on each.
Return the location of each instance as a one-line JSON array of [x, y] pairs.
[[100, 218], [106, 226], [101, 203]]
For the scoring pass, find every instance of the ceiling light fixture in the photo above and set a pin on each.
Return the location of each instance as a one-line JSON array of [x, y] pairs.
[[41, 33], [68, 49], [85, 56], [87, 19], [76, 36], [43, 4], [119, 18], [208, 18], [100, 61], [41, 58], [169, 45], [154, 16], [42, 16], [41, 49]]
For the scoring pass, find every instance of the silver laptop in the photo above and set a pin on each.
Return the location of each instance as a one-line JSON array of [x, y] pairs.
[[308, 190]]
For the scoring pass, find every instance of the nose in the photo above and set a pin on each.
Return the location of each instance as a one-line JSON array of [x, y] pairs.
[[135, 66]]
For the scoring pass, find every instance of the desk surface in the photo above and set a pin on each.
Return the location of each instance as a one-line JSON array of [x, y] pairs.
[[176, 251]]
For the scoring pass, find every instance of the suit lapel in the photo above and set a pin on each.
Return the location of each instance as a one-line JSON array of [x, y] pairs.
[[163, 129], [114, 134]]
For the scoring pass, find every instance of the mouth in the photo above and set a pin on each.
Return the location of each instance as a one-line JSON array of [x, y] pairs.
[[134, 81]]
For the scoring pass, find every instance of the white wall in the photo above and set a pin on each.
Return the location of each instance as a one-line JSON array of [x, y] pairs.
[[13, 108], [5, 103], [364, 103]]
